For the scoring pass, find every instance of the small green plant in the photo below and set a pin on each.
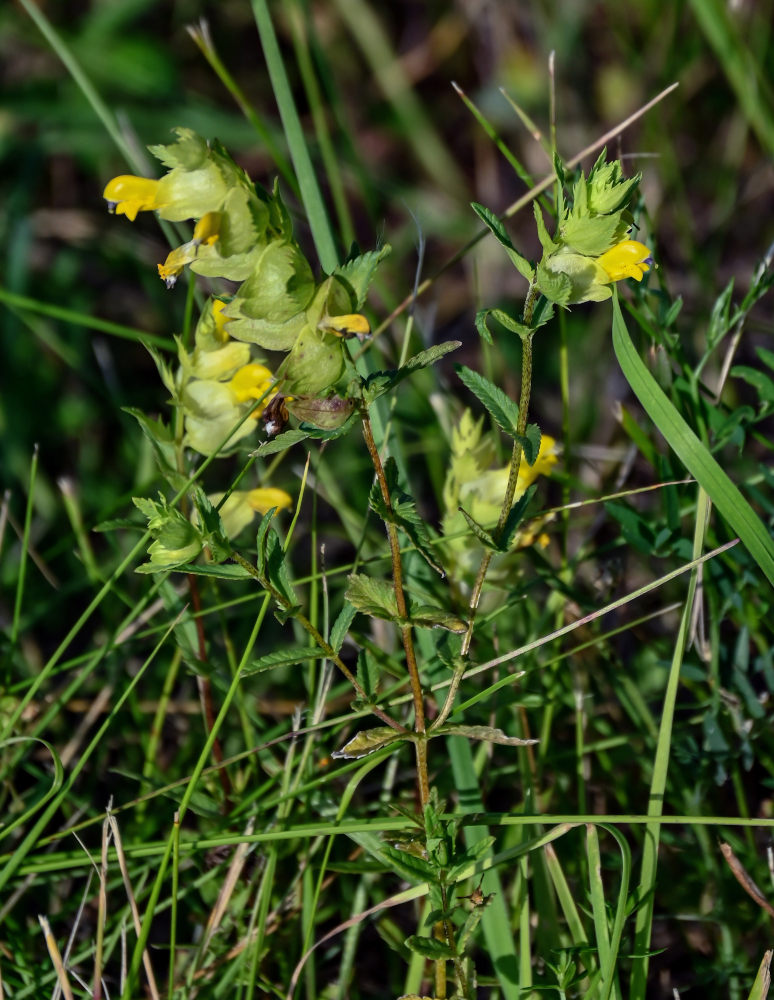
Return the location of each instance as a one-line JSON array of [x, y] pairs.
[[244, 234]]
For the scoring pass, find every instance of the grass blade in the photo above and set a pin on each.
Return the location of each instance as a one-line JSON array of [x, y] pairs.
[[647, 886], [692, 453], [299, 153]]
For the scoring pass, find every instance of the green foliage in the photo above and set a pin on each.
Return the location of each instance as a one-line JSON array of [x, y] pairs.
[[497, 404]]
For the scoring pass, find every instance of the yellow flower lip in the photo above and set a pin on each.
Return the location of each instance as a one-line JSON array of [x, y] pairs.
[[207, 229], [627, 259], [220, 319], [264, 498], [127, 195], [253, 381], [350, 325]]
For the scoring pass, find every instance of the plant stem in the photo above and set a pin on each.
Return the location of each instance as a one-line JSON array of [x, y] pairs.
[[326, 647], [510, 492], [406, 630]]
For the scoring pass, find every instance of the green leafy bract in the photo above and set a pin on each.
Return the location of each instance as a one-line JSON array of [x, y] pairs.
[[501, 407]]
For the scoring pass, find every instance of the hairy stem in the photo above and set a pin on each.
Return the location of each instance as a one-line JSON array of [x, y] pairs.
[[406, 630], [510, 492]]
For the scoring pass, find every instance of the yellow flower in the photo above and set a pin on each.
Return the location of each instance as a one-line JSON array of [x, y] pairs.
[[207, 229], [127, 195], [265, 497], [220, 319], [206, 232], [175, 262], [241, 506], [253, 381], [350, 325], [482, 496], [627, 259]]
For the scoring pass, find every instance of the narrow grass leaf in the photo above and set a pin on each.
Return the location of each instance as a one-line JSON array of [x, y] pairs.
[[649, 864], [760, 989], [299, 153], [692, 453]]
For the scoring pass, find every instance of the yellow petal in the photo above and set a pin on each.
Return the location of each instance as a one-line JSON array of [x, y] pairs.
[[176, 261], [220, 319], [266, 497], [253, 381], [627, 259], [127, 195], [350, 325], [207, 229], [545, 461]]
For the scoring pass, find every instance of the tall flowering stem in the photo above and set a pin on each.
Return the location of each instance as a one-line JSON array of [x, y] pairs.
[[407, 635], [513, 475], [510, 492]]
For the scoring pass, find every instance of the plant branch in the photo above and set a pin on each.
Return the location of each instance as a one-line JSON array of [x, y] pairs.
[[319, 641], [400, 599], [510, 492]]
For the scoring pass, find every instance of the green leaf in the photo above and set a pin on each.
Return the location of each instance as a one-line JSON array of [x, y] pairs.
[[485, 537], [762, 383], [372, 597], [342, 625], [503, 409], [497, 229], [327, 434], [368, 741], [504, 320], [271, 559], [282, 658], [429, 947], [280, 443], [368, 673], [515, 517], [470, 926], [481, 326], [720, 321], [409, 866], [760, 988], [404, 514], [427, 616], [163, 444], [225, 571], [377, 383], [543, 313], [546, 241], [486, 733], [530, 443], [767, 357], [357, 274], [294, 133], [726, 497]]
